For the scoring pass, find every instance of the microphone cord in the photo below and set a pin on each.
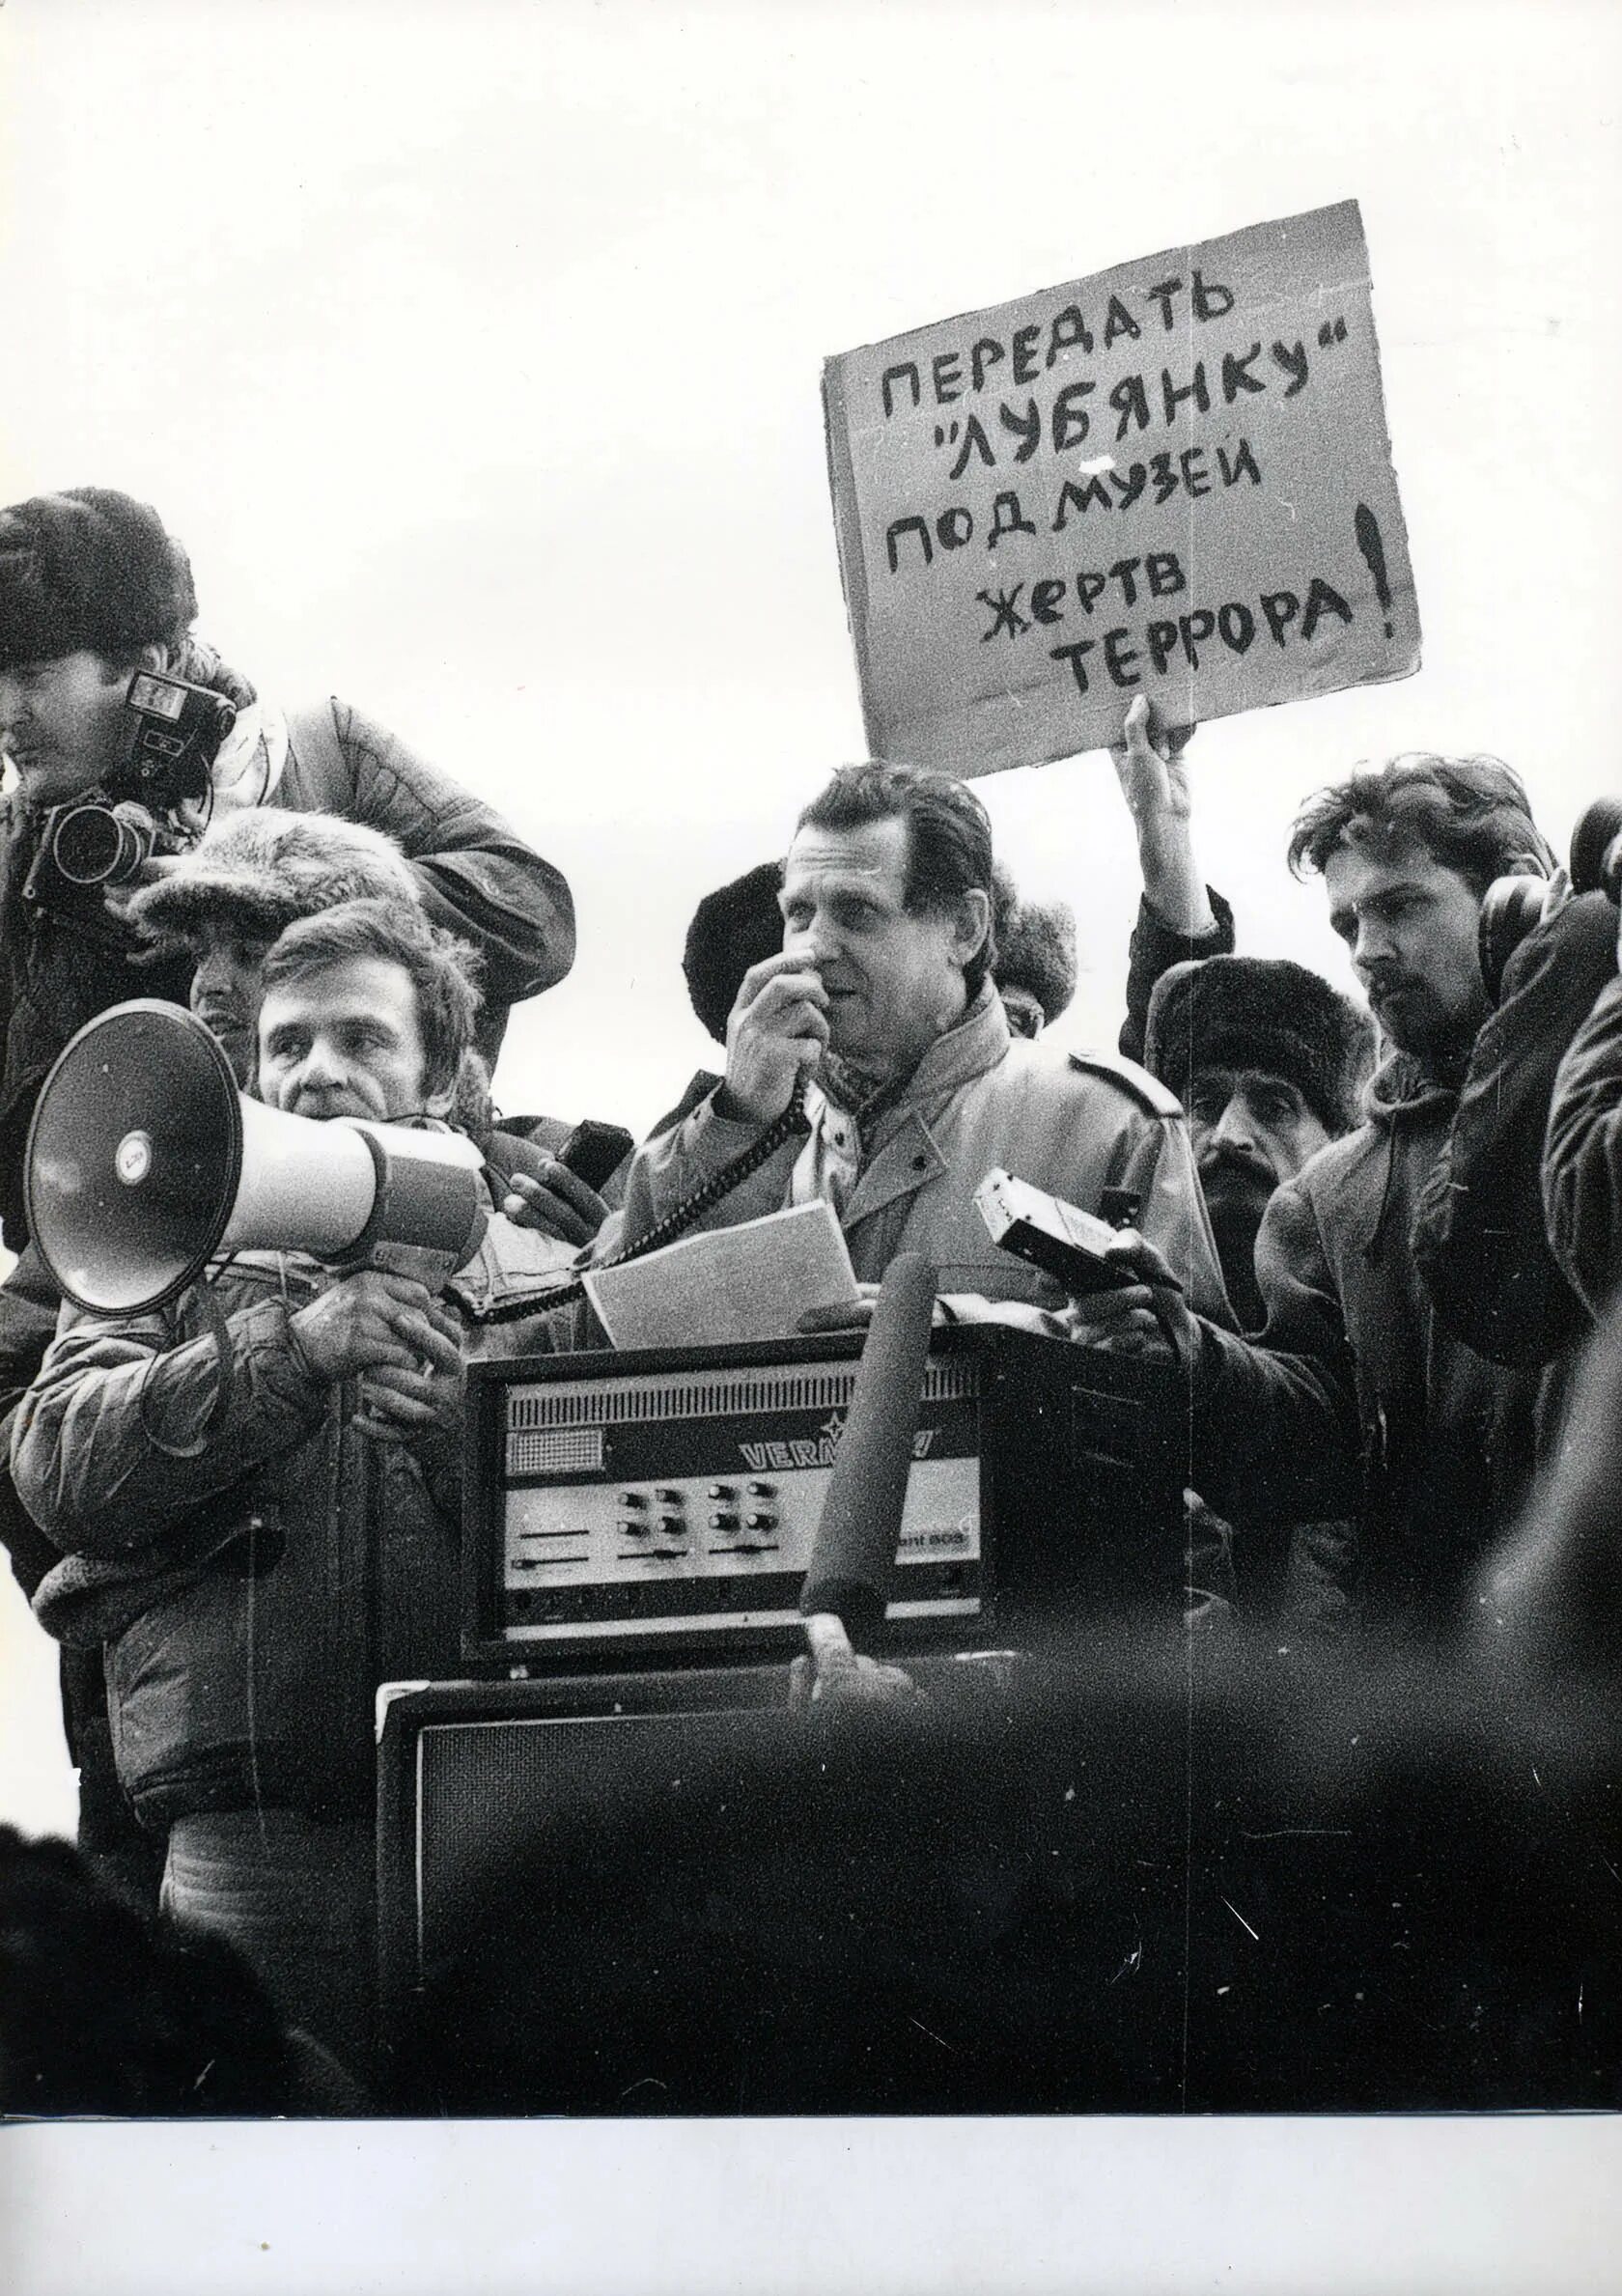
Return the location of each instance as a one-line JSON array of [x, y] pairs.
[[676, 1222]]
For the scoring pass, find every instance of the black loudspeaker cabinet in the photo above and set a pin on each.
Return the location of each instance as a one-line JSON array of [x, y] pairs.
[[1103, 1877], [664, 1893]]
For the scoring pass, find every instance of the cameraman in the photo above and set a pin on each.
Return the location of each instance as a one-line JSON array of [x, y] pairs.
[[92, 589]]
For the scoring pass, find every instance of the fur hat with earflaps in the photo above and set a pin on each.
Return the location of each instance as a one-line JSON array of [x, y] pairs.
[[90, 569], [259, 870], [1261, 1013]]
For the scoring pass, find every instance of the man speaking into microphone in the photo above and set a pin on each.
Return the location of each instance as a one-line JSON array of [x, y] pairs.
[[881, 1007], [261, 1521]]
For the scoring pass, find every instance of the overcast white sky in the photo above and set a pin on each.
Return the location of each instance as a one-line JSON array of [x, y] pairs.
[[474, 351]]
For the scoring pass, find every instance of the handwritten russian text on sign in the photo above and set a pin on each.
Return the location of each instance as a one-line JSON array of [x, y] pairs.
[[1174, 479]]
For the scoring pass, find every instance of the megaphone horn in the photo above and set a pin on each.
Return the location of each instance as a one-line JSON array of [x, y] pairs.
[[143, 1160]]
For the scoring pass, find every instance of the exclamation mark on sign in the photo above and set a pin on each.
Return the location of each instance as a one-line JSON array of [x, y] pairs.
[[1367, 528]]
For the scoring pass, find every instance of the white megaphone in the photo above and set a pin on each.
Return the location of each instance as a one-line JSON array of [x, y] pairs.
[[143, 1161]]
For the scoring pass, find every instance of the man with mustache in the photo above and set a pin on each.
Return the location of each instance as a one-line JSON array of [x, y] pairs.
[[1354, 1398], [1269, 1061]]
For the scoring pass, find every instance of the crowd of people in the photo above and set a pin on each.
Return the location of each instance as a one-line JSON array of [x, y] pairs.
[[1373, 1242]]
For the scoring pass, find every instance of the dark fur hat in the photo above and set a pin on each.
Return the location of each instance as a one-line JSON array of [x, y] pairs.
[[262, 869], [736, 926], [90, 567], [1261, 1013], [1036, 951]]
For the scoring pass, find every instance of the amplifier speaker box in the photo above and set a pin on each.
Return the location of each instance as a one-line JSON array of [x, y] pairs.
[[665, 1892], [632, 1879], [1103, 1877]]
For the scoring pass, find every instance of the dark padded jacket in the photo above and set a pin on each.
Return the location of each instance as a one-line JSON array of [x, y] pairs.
[[59, 970], [477, 876], [1356, 1399], [1583, 1156], [30, 1305], [255, 1575], [1480, 1239]]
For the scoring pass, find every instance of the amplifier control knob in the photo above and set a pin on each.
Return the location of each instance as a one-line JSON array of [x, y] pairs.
[[760, 1522], [762, 1489], [723, 1522], [670, 1524], [631, 1499], [668, 1499], [722, 1491]]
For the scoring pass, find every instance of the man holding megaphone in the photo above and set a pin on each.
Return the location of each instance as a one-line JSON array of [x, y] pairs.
[[219, 909], [261, 1521]]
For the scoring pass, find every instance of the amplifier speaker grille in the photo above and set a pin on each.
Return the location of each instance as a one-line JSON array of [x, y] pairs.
[[490, 1794], [555, 1451], [709, 1395]]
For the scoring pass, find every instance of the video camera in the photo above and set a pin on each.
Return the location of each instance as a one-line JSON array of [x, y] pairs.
[[170, 742], [1514, 905]]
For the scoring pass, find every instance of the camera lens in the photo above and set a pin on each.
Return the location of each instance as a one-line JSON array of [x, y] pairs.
[[96, 845]]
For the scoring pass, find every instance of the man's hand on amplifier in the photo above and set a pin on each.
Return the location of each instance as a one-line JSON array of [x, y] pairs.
[[1149, 1320], [854, 1315], [842, 1315], [835, 1675]]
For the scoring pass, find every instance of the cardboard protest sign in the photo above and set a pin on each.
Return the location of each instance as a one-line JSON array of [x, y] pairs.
[[1173, 479]]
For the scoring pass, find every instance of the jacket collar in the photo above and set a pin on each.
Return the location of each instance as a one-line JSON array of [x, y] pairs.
[[909, 1157], [1400, 1087], [972, 1045]]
